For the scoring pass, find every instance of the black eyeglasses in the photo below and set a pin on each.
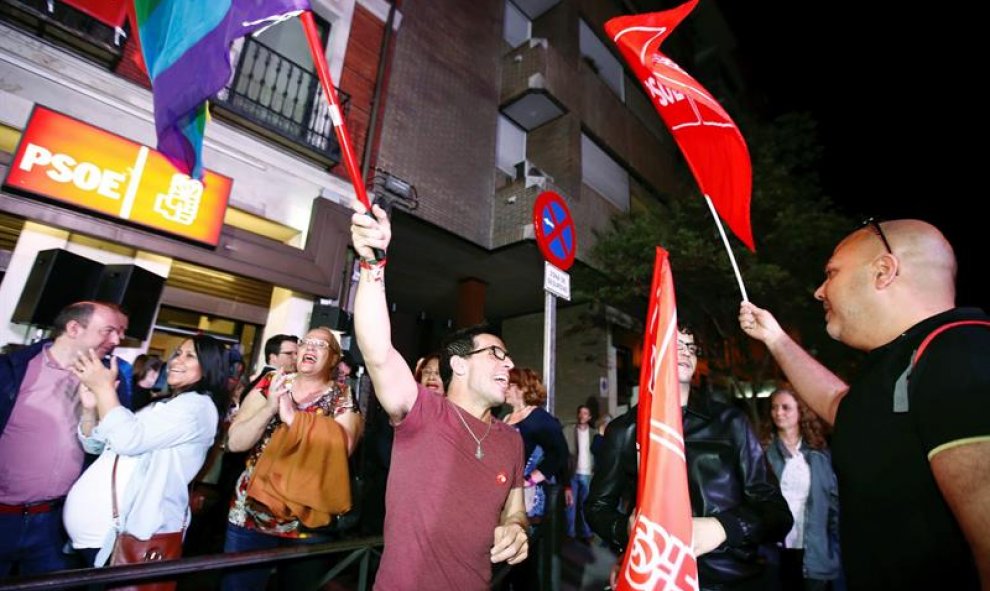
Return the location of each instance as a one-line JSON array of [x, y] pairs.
[[496, 351], [874, 224], [689, 348]]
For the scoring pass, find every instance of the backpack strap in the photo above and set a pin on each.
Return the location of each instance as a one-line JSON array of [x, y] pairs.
[[901, 404]]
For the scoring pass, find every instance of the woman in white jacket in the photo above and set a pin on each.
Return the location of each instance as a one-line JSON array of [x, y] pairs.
[[158, 450]]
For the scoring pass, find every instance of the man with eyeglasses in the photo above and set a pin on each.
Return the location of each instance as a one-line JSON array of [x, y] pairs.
[[911, 446], [735, 498], [281, 352], [454, 500]]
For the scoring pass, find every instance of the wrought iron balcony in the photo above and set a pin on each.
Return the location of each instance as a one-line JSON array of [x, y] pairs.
[[68, 27], [281, 100]]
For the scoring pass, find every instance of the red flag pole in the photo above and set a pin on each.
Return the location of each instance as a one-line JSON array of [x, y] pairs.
[[336, 116]]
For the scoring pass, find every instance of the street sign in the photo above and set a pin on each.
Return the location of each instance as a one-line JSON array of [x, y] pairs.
[[556, 281], [554, 229]]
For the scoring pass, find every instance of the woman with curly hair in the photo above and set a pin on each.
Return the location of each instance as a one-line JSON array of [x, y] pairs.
[[796, 449], [545, 455]]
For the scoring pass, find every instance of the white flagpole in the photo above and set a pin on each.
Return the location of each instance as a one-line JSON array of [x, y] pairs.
[[728, 249]]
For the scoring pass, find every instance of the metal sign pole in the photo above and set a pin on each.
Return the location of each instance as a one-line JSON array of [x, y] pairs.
[[550, 347]]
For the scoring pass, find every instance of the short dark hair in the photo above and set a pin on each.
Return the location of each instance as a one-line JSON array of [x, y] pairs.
[[273, 346], [81, 312], [212, 357], [457, 343]]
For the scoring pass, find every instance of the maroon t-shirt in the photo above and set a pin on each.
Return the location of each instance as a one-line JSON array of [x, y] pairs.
[[442, 503]]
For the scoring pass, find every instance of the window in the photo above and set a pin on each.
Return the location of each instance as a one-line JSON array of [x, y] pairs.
[[516, 26], [603, 174], [510, 145], [601, 60]]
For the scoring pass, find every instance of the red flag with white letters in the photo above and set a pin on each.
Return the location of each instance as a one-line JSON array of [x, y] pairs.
[[709, 139], [659, 554]]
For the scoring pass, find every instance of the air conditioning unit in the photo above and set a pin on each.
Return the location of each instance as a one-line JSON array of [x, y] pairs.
[[533, 176]]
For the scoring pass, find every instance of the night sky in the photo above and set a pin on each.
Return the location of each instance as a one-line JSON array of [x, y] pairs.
[[898, 98]]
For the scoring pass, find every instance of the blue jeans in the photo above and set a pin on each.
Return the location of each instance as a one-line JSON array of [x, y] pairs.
[[301, 575], [579, 492], [34, 543]]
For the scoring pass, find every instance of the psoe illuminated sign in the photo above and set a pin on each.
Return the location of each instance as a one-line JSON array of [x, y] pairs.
[[62, 158]]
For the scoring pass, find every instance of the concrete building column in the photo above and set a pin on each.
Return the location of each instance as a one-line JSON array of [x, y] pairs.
[[470, 302]]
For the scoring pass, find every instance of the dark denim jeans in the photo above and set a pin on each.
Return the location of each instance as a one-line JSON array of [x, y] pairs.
[[34, 543], [301, 575]]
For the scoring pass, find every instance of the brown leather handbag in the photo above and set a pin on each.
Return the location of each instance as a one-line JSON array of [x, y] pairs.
[[128, 549]]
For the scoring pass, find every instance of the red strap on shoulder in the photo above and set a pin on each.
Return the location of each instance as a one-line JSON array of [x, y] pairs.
[[940, 330]]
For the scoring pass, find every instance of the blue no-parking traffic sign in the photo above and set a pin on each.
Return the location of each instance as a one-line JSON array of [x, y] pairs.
[[554, 229]]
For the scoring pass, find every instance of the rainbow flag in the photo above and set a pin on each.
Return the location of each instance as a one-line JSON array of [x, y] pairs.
[[186, 47]]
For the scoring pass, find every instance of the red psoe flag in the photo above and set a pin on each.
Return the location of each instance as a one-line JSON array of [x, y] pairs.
[[709, 139], [659, 555]]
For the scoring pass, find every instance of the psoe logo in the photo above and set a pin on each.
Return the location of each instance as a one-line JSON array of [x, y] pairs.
[[663, 95], [181, 203], [65, 169], [659, 560]]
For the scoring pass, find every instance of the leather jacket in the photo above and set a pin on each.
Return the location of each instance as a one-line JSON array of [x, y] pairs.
[[728, 479]]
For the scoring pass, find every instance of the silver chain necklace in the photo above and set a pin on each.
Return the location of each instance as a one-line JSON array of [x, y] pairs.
[[477, 453]]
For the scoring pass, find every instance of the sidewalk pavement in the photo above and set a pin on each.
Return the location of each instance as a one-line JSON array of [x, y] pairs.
[[585, 567]]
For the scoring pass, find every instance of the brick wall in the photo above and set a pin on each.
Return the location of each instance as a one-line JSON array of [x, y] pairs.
[[440, 120], [358, 76]]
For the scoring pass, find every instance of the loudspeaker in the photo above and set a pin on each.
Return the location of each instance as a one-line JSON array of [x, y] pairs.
[[331, 317], [57, 279], [137, 291], [337, 319]]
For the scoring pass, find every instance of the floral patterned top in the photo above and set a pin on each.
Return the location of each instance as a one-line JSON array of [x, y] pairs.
[[245, 511]]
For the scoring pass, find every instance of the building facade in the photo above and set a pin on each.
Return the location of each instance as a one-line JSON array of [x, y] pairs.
[[491, 103], [280, 260]]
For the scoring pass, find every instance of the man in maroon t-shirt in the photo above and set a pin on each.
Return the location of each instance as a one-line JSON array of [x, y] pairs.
[[454, 502]]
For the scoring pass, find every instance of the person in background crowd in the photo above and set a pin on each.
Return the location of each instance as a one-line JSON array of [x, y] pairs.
[[796, 450], [300, 429], [545, 453], [454, 503], [40, 455], [281, 352], [428, 373], [911, 439], [146, 370], [152, 455], [735, 499], [579, 439], [344, 373]]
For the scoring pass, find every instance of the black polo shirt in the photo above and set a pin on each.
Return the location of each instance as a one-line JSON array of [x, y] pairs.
[[897, 532]]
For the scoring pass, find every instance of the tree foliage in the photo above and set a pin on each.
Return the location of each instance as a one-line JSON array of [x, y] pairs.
[[796, 227]]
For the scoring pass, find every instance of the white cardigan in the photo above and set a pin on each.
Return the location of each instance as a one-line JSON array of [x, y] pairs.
[[171, 439]]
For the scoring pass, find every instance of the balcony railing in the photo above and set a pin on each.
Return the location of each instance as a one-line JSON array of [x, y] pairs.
[[281, 100], [68, 27], [268, 93]]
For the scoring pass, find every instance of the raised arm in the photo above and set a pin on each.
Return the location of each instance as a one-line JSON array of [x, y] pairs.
[[814, 383], [394, 383]]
